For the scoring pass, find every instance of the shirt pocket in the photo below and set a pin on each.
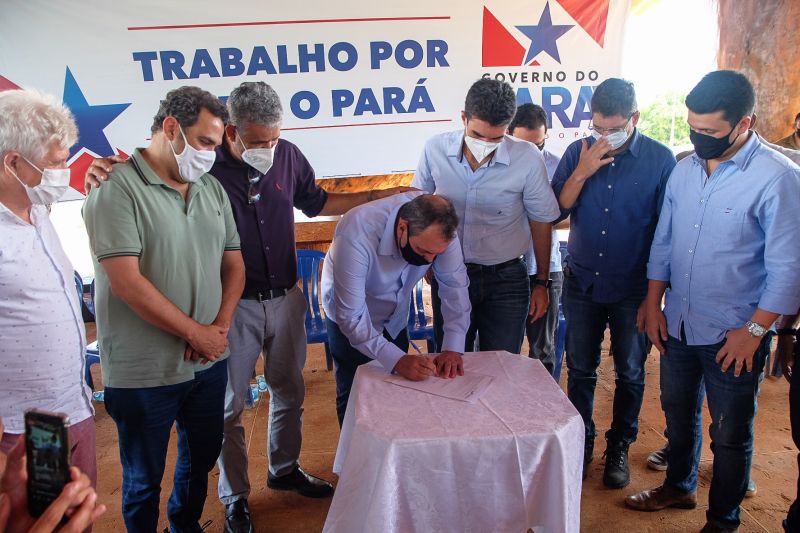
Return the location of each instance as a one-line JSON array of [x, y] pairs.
[[727, 224]]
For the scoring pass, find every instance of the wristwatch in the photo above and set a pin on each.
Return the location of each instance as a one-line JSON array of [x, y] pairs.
[[543, 282], [756, 330]]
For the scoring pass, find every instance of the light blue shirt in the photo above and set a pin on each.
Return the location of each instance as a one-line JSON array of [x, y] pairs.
[[728, 244], [495, 201], [367, 285], [551, 163]]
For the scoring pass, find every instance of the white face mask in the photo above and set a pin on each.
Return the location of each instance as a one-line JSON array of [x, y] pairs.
[[480, 149], [258, 158], [193, 163], [617, 139], [55, 182]]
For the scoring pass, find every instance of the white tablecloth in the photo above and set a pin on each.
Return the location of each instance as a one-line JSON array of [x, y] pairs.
[[410, 461]]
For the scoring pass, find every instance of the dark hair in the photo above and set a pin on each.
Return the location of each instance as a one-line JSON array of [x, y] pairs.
[[723, 90], [426, 210], [613, 97], [492, 101], [185, 104], [529, 116], [797, 116]]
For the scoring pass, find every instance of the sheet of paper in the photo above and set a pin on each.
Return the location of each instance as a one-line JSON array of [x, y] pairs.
[[467, 388]]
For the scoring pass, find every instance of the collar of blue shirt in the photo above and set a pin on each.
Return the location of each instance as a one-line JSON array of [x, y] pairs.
[[500, 155]]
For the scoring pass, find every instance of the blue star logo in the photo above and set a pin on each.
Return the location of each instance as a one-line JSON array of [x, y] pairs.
[[543, 36], [91, 119]]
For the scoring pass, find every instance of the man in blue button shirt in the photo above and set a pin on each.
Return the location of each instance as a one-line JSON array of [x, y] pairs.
[[726, 248], [611, 186], [499, 187], [380, 251]]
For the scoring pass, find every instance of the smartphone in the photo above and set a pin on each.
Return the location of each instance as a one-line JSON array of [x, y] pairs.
[[47, 449]]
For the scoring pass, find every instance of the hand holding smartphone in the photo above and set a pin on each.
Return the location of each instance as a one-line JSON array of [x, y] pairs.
[[47, 448]]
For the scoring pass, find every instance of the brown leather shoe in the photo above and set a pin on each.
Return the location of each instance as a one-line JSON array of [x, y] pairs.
[[661, 498]]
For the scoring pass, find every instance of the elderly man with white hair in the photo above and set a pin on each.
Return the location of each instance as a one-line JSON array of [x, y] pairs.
[[42, 336]]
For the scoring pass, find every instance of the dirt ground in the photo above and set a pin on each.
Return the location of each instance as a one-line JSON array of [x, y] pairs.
[[774, 464]]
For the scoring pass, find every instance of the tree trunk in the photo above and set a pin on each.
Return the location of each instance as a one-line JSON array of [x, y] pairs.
[[760, 39]]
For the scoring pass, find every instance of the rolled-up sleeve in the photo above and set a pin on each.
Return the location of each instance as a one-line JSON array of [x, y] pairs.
[[423, 178], [349, 301], [537, 194], [778, 215], [658, 265], [451, 274]]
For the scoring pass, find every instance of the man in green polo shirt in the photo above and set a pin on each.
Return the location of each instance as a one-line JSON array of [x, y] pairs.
[[169, 275]]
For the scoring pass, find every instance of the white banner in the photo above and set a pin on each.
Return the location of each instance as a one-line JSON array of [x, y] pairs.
[[363, 85]]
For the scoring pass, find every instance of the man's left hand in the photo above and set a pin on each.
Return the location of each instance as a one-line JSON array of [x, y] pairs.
[[540, 300], [738, 350], [449, 365]]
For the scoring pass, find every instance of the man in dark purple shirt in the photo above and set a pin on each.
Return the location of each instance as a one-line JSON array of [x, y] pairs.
[[266, 177]]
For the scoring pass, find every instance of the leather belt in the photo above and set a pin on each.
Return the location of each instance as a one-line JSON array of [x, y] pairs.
[[510, 262], [265, 294]]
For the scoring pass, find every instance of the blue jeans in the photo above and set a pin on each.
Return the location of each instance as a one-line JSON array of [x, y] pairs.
[[500, 296], [542, 333], [732, 404], [347, 360], [586, 324], [144, 419]]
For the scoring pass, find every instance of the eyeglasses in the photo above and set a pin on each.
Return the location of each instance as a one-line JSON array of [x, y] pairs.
[[609, 131], [253, 176]]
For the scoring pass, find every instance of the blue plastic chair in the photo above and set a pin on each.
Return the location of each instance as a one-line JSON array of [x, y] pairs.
[[420, 327], [92, 351], [561, 339], [309, 266]]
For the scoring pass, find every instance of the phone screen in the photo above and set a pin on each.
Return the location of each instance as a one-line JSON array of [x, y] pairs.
[[47, 457]]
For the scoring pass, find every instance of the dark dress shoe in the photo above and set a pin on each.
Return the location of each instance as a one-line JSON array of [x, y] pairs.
[[661, 498], [302, 483], [237, 518]]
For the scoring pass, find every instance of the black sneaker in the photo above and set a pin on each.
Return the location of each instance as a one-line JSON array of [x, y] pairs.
[[237, 518], [616, 474], [302, 483], [588, 451], [658, 459]]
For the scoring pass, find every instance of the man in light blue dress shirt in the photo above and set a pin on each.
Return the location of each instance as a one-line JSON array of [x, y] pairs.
[[500, 190], [530, 124], [380, 251], [725, 247]]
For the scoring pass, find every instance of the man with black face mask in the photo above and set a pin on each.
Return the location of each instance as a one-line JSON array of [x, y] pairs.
[[379, 253], [725, 244], [792, 140]]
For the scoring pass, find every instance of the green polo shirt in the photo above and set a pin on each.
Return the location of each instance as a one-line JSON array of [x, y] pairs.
[[179, 245]]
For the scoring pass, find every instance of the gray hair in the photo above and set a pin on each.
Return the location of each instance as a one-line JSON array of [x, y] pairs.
[[255, 102], [426, 210], [30, 121]]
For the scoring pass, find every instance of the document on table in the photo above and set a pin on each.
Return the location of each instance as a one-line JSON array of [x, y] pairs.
[[467, 388]]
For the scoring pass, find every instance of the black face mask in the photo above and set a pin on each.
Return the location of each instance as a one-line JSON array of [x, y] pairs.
[[540, 146], [411, 257], [708, 147]]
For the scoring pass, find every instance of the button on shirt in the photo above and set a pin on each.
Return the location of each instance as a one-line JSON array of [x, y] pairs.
[[727, 243], [551, 163], [42, 336], [266, 227], [367, 285], [495, 201], [613, 220]]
